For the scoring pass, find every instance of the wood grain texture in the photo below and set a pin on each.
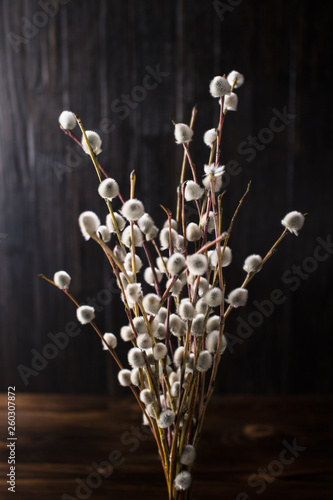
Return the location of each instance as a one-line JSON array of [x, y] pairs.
[[85, 58], [60, 436]]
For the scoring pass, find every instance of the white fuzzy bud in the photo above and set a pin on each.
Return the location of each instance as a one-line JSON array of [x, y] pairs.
[[197, 264], [126, 237], [136, 358], [140, 325], [204, 361], [145, 223], [178, 356], [128, 263], [211, 224], [230, 102], [175, 388], [234, 75], [201, 306], [89, 223], [237, 297], [160, 332], [213, 323], [226, 260], [121, 223], [193, 232], [94, 140], [124, 280], [173, 377], [293, 221], [210, 137], [144, 341], [167, 418], [251, 263], [148, 276], [212, 341], [104, 234], [176, 263], [165, 240], [219, 86], [127, 334], [186, 310], [108, 189], [183, 480], [85, 314], [151, 235], [161, 264], [133, 293], [133, 209], [176, 287], [124, 377], [214, 297], [176, 325], [151, 303], [146, 396], [162, 315], [135, 377], [183, 133], [203, 286], [62, 279], [67, 120], [160, 351], [111, 341], [188, 456], [198, 324], [193, 191]]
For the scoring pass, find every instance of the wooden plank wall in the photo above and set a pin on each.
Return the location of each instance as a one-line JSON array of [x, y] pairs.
[[87, 54]]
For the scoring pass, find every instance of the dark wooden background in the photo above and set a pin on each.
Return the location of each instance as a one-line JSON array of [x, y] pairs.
[[86, 56]]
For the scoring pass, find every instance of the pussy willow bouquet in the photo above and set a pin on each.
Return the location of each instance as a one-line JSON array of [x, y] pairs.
[[173, 288]]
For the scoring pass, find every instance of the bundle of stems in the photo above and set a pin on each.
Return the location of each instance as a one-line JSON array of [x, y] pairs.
[[176, 334]]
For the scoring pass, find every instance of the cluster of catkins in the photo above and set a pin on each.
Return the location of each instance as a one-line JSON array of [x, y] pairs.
[[177, 331]]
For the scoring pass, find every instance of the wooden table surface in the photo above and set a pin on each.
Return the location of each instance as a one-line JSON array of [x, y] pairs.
[[59, 437]]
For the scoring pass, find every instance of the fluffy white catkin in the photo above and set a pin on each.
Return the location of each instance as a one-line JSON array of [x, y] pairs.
[[111, 340], [183, 133], [133, 209], [176, 263], [120, 221], [188, 456], [124, 377], [230, 102], [193, 191], [237, 297], [67, 120], [167, 418], [104, 233], [62, 279], [219, 86], [183, 480], [210, 137], [136, 358], [85, 314], [235, 75], [108, 189], [251, 263], [197, 264], [204, 361], [89, 224], [293, 221], [94, 140]]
